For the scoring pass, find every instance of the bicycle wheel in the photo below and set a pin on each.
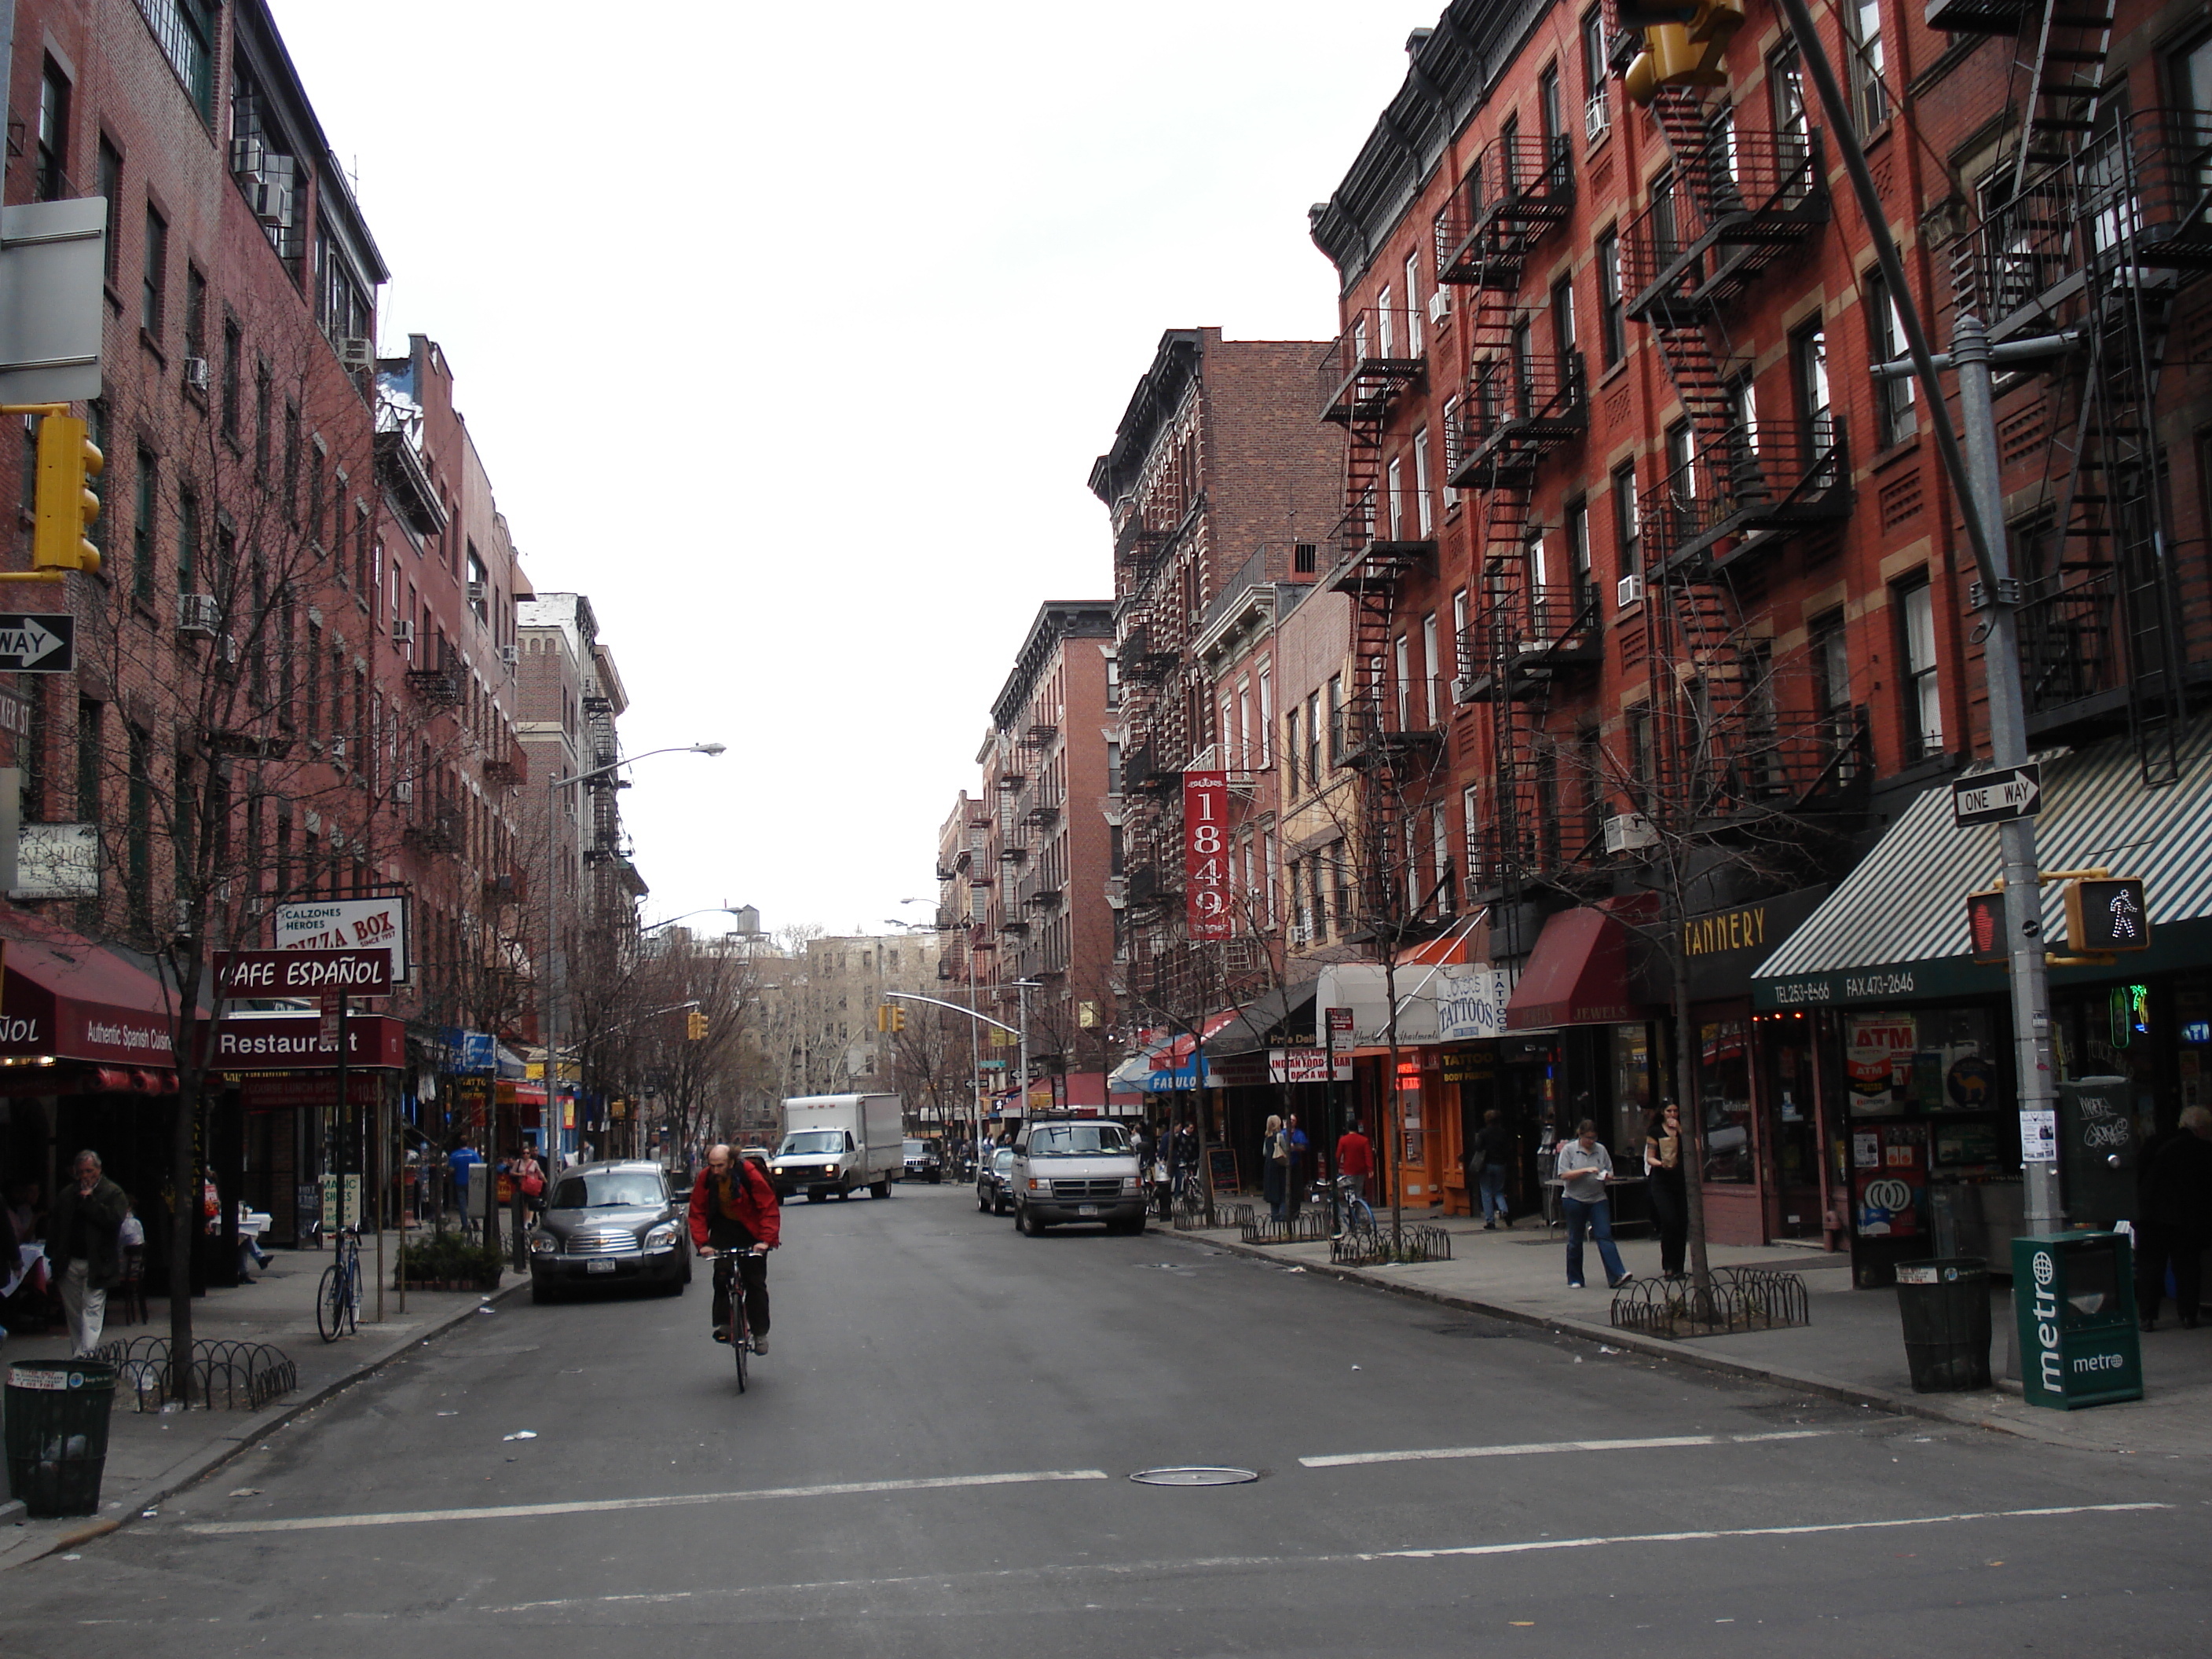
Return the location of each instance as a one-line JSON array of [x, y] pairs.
[[329, 1296], [741, 1338], [353, 1297]]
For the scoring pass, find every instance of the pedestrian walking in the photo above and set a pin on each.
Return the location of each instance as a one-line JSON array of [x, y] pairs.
[[1663, 1179], [87, 1226], [1355, 1161], [1294, 1166], [2177, 1224], [462, 1158], [1271, 1171], [1584, 1167], [1487, 1161]]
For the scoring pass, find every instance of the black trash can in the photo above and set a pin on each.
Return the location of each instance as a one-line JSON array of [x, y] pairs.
[[1945, 1307], [56, 1433]]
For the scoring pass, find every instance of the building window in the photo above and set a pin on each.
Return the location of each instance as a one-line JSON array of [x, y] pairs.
[[1291, 752], [1413, 304], [1892, 394], [1263, 728], [1809, 355], [50, 181], [1393, 491], [1593, 32], [188, 540], [1470, 835], [1306, 558], [186, 30], [1432, 668], [110, 186], [143, 500], [1339, 869], [1424, 519], [1924, 697], [234, 358], [1831, 666], [1613, 322], [1113, 682], [1313, 741], [1863, 22], [1642, 756], [153, 301], [1626, 528], [1581, 581], [90, 756], [138, 867], [1548, 116]]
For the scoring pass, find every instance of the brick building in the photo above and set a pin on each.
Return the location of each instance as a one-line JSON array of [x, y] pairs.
[[1633, 542]]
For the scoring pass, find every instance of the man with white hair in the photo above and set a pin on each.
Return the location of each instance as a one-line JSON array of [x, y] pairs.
[[86, 1231]]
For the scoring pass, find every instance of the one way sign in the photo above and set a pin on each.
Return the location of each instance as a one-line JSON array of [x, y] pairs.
[[37, 645], [2014, 791]]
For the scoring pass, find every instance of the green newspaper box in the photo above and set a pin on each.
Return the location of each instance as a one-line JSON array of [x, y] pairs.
[[2073, 1295]]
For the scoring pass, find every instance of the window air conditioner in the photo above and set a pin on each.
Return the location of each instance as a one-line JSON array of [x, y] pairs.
[[227, 649], [402, 792], [199, 613], [1628, 591], [357, 352], [1300, 933], [510, 654], [1439, 305], [402, 631], [1629, 832], [196, 373], [248, 159], [337, 752], [1597, 118], [475, 592]]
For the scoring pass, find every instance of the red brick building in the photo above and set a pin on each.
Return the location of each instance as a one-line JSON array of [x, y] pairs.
[[1630, 529]]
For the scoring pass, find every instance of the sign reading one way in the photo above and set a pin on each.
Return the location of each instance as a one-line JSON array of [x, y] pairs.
[[2011, 792], [37, 644]]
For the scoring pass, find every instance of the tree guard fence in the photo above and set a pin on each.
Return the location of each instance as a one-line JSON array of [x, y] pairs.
[[1739, 1299], [229, 1375]]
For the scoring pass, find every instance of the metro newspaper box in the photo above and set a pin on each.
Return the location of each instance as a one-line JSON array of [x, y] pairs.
[[2074, 1296]]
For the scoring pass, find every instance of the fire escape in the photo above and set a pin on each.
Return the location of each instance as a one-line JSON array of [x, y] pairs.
[[1153, 668], [1739, 483], [2092, 231], [1519, 407], [1362, 374]]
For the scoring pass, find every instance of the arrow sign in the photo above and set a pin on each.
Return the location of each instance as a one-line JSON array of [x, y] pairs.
[[37, 644], [2014, 791]]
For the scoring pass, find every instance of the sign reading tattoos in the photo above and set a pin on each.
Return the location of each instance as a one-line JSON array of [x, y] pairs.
[[1205, 855]]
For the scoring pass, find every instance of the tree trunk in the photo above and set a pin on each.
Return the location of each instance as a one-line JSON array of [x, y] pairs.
[[184, 1223], [1693, 1121]]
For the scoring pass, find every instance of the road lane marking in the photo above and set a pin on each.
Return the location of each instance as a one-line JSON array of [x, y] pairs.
[[1539, 1448], [605, 1505]]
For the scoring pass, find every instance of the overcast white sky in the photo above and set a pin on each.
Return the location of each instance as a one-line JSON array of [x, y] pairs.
[[789, 334]]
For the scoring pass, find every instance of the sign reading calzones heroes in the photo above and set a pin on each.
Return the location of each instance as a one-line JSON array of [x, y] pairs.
[[347, 924]]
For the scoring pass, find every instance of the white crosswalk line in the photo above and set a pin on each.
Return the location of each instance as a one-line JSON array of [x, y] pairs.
[[1540, 1448]]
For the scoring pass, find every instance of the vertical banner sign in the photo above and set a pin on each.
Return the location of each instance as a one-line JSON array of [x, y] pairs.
[[1206, 854]]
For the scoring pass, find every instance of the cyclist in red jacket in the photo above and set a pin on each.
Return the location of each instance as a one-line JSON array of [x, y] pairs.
[[734, 1208]]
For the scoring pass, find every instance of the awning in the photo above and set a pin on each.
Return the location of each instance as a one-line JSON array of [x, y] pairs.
[[1895, 928], [1577, 975], [1363, 987], [1254, 1028], [66, 998]]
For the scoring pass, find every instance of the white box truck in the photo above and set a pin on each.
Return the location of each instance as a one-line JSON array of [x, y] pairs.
[[834, 1143]]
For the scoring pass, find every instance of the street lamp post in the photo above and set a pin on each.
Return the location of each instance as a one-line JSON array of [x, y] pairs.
[[553, 785]]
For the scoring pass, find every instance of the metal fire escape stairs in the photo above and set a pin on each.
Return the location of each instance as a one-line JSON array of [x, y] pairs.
[[2102, 223]]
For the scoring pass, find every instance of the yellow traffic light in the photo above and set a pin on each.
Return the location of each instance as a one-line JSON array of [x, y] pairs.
[[695, 1027], [68, 460], [1688, 54], [899, 1017]]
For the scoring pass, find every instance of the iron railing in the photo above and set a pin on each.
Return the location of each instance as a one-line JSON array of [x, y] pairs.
[[1721, 218], [1516, 408], [1762, 476], [1517, 189], [1361, 370]]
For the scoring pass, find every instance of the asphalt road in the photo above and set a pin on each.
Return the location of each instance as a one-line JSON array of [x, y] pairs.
[[934, 1460]]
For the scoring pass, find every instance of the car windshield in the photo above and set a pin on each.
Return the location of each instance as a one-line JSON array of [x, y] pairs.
[[916, 1149], [808, 1142], [1003, 1158], [610, 1190], [1077, 1139]]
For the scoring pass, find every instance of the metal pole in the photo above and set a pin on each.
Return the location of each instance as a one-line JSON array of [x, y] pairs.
[[1022, 991], [2023, 906]]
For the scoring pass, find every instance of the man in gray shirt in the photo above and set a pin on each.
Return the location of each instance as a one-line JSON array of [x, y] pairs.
[[1583, 1168]]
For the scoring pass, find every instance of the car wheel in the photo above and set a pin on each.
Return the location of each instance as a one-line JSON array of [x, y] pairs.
[[881, 1189], [687, 1270], [1026, 1219]]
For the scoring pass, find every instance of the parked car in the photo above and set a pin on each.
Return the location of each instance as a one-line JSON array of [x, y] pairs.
[[611, 1224], [922, 1162], [1076, 1170], [992, 1176]]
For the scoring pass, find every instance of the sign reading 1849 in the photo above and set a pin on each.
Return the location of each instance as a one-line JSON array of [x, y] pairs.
[[37, 644]]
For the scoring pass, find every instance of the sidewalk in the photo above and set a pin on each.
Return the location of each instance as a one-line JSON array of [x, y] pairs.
[[1853, 1349], [151, 1455]]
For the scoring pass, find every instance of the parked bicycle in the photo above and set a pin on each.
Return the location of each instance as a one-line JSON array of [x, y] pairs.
[[729, 1290], [1353, 1213], [337, 1299]]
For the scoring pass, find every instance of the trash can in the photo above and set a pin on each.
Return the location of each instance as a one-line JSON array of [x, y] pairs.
[[1945, 1306], [2074, 1297], [56, 1433]]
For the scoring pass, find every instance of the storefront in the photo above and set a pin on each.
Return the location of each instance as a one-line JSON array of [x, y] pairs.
[[1911, 1041]]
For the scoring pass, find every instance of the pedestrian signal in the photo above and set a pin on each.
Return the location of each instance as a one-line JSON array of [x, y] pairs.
[[1987, 936], [68, 461], [2104, 914]]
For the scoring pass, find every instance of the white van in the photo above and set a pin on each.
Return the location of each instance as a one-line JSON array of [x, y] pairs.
[[835, 1143]]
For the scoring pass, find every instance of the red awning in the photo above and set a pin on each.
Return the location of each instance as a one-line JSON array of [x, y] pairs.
[[67, 998], [1577, 975], [1177, 1054]]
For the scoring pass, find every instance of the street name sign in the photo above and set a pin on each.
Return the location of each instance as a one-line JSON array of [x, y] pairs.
[[2011, 792], [37, 644]]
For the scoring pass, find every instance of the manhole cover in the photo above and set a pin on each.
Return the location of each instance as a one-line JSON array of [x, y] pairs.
[[1193, 1477]]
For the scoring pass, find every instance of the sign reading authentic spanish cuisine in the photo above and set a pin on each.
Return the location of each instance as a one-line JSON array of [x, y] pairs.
[[303, 973], [348, 924], [1206, 910]]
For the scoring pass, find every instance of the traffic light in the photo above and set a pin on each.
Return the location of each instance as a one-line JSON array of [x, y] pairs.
[[694, 1026], [2106, 914], [68, 460], [889, 1017], [1986, 935], [1686, 54]]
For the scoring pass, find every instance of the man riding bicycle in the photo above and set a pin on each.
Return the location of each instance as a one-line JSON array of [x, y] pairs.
[[734, 1208]]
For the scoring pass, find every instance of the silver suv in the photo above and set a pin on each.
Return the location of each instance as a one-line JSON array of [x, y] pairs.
[[1076, 1170]]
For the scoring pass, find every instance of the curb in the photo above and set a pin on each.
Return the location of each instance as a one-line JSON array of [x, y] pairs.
[[1848, 1394], [251, 1434]]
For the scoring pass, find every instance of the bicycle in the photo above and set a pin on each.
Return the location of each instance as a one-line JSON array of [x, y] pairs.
[[337, 1299], [1356, 1214], [729, 1287]]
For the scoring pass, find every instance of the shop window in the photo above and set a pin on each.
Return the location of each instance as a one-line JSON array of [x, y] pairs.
[[1725, 1093]]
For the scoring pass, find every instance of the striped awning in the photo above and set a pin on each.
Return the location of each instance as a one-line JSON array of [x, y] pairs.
[[1895, 928]]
